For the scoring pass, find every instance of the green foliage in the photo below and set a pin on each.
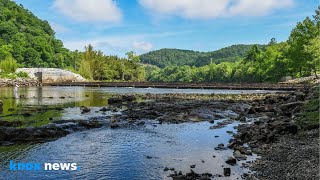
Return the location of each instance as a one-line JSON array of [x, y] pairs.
[[310, 117], [95, 65], [313, 51], [302, 60], [29, 40], [178, 57], [133, 57], [299, 56], [9, 65], [22, 74], [267, 66]]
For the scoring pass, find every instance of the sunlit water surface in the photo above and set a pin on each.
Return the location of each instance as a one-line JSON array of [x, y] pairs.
[[104, 153]]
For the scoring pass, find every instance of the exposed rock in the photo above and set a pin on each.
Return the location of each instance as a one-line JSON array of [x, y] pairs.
[[128, 98], [19, 81], [226, 171], [231, 161], [237, 154], [290, 106], [104, 109], [114, 100], [220, 147], [13, 134], [84, 109]]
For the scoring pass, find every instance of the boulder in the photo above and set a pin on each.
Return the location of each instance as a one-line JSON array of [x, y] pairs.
[[104, 109], [226, 171], [84, 109], [220, 147], [300, 96], [128, 98], [231, 161], [237, 154], [290, 106], [114, 100]]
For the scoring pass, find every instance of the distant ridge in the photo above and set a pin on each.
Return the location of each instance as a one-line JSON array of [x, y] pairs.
[[179, 57]]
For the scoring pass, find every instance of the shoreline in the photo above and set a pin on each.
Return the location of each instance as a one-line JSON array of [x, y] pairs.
[[266, 120], [233, 86]]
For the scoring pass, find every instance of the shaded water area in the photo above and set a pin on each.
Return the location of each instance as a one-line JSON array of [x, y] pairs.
[[105, 153]]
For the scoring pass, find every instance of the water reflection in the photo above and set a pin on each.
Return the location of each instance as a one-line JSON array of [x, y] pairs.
[[122, 153], [111, 153]]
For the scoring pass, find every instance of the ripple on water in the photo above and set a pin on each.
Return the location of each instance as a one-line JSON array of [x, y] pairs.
[[137, 153]]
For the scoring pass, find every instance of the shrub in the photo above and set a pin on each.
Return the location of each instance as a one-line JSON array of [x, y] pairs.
[[22, 74], [9, 65]]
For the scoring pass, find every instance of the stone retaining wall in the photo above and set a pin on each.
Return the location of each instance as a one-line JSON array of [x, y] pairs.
[[52, 75]]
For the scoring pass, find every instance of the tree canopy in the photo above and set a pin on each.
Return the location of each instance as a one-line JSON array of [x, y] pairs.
[[32, 40], [178, 57]]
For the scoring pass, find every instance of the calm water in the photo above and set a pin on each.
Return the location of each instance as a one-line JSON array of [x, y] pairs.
[[106, 153]]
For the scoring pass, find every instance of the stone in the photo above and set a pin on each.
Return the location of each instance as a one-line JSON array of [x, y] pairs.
[[141, 123], [226, 171], [114, 125], [114, 100], [300, 96], [237, 154], [104, 109], [251, 110], [51, 75], [192, 166], [231, 161], [128, 98], [220, 147], [289, 106], [84, 109], [291, 128]]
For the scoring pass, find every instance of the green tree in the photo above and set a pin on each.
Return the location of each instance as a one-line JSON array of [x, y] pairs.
[[253, 53], [300, 37], [313, 50], [133, 57]]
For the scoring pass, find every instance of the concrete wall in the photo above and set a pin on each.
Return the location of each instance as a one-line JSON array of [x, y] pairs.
[[52, 75]]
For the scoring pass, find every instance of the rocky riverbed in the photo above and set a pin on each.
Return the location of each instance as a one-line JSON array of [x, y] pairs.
[[19, 81], [267, 126]]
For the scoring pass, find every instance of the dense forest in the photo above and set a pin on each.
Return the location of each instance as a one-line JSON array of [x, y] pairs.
[[26, 41], [179, 57], [29, 40], [299, 56]]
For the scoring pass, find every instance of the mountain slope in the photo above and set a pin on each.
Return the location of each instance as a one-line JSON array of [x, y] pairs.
[[170, 57], [30, 40]]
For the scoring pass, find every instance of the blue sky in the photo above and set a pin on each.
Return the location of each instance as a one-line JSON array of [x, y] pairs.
[[118, 26]]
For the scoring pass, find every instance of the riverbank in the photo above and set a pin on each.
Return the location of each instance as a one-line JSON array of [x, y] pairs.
[[263, 121], [22, 82], [235, 86], [294, 155]]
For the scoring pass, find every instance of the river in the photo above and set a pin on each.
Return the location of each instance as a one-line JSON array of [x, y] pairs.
[[104, 153]]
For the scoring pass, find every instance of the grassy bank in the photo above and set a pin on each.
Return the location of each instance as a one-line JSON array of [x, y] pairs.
[[310, 117]]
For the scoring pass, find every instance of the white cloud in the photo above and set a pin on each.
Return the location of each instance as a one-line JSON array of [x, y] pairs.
[[204, 9], [89, 10], [142, 46], [258, 8]]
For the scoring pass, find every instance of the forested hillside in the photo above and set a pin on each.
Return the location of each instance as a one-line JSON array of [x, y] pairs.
[[179, 57], [299, 56], [29, 40]]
